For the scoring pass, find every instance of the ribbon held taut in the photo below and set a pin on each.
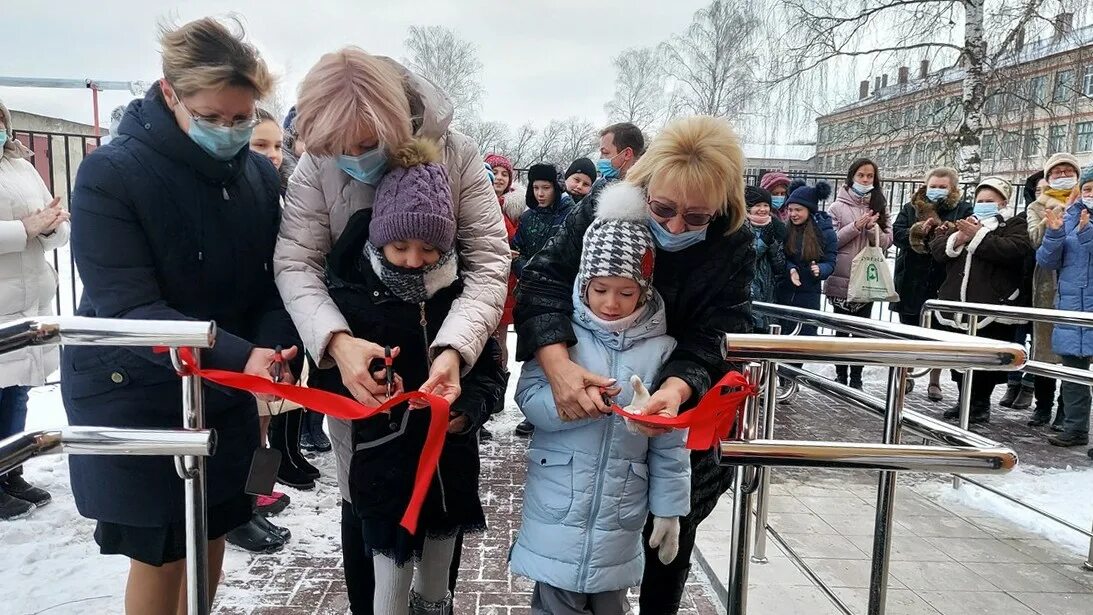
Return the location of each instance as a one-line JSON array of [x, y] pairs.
[[713, 416], [338, 406]]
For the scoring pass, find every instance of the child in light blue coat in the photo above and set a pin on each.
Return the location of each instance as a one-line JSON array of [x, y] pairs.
[[592, 483]]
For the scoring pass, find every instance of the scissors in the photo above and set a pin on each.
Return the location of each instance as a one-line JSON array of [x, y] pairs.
[[277, 371], [389, 376]]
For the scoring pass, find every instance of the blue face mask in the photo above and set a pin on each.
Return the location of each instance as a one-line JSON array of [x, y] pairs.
[[669, 242], [220, 142], [984, 211], [606, 169], [777, 201], [934, 194], [862, 189], [368, 168], [3, 138]]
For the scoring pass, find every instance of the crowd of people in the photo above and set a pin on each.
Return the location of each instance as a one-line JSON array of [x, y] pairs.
[[374, 250]]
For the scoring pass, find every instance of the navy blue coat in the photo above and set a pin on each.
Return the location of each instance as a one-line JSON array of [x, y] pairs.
[[807, 295], [161, 230]]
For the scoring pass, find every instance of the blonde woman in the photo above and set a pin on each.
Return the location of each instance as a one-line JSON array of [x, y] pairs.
[[176, 219], [691, 181], [353, 110]]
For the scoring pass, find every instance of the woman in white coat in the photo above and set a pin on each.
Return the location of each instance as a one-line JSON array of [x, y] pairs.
[[32, 223]]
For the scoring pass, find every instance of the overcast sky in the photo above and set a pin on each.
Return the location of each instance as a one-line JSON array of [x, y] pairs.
[[542, 59]]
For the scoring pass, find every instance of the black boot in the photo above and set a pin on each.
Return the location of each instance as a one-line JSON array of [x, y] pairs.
[[288, 473], [525, 428], [13, 508], [1024, 398], [952, 413], [281, 532], [306, 443], [1040, 417], [1012, 390], [664, 593], [484, 435], [17, 487], [840, 374], [855, 377], [255, 537], [313, 426], [293, 424], [1069, 438], [980, 413], [1060, 416]]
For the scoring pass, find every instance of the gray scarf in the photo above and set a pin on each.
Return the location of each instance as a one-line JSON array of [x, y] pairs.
[[413, 285]]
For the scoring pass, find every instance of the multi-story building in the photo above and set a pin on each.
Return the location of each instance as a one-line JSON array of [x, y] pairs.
[[796, 159], [1039, 101]]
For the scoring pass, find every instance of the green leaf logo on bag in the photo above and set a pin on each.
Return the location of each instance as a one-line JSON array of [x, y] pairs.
[[871, 273]]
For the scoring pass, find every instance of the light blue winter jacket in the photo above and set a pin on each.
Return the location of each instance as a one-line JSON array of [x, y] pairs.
[[1070, 252], [592, 483]]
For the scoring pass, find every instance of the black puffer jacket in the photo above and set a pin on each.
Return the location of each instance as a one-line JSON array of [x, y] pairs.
[[706, 290], [387, 447], [917, 274]]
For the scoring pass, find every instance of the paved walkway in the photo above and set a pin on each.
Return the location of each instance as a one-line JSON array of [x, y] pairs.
[[310, 584], [947, 558]]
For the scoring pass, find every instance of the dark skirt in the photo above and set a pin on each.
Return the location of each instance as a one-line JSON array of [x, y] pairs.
[[156, 546], [381, 478]]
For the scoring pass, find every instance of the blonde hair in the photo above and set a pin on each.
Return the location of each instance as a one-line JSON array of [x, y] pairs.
[[205, 55], [948, 172], [702, 154], [349, 92]]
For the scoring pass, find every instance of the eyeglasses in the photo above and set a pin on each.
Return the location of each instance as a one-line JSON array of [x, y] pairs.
[[215, 122], [668, 212]]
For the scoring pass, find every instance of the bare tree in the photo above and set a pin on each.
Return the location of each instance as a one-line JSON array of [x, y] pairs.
[[490, 136], [521, 146], [713, 61], [952, 31], [451, 63], [640, 89], [275, 104], [579, 138]]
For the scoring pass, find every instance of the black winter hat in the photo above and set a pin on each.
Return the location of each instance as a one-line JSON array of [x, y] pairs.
[[546, 173], [582, 165], [754, 195], [810, 196]]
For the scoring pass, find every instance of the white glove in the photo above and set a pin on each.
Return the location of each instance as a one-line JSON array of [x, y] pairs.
[[665, 538], [637, 404]]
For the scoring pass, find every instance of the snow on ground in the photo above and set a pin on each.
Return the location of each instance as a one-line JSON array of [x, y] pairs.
[[1065, 493]]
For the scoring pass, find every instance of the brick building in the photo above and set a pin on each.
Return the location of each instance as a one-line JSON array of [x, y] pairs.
[[1039, 101]]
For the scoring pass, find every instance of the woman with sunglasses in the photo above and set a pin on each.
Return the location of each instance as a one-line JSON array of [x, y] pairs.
[[176, 219], [691, 178]]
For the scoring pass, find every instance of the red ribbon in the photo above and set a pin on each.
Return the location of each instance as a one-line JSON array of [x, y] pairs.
[[711, 419], [338, 406]]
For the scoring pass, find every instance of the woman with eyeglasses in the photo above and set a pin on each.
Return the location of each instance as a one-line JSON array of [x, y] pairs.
[[692, 180], [176, 219]]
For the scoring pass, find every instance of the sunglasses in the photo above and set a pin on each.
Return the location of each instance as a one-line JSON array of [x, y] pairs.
[[668, 212]]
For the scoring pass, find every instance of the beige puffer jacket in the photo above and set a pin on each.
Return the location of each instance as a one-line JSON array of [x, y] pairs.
[[320, 200], [28, 282]]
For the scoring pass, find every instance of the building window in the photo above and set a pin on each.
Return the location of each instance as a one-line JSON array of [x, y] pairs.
[[908, 116], [933, 152], [989, 146], [1064, 86], [939, 109], [905, 156], [994, 103], [1085, 137], [1011, 144], [920, 154], [1087, 81], [1032, 142], [924, 113], [1037, 90], [1057, 140]]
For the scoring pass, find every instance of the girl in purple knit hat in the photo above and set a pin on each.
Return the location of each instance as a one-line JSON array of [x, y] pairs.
[[394, 275]]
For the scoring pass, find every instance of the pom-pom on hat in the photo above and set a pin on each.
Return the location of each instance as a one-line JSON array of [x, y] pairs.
[[618, 243], [810, 196], [414, 199]]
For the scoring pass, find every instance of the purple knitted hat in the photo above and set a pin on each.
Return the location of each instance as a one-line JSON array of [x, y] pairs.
[[772, 179], [414, 199]]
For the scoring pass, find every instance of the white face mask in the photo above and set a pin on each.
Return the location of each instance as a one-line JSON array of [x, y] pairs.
[[1063, 183]]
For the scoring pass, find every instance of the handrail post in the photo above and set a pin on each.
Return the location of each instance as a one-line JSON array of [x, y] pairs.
[[747, 423], [966, 389], [762, 499], [193, 472], [886, 495], [1088, 563]]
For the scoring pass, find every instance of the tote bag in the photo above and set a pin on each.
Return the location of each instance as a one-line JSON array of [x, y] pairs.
[[870, 278]]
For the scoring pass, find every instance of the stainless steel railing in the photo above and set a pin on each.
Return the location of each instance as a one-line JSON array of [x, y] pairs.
[[975, 311], [747, 453], [190, 446]]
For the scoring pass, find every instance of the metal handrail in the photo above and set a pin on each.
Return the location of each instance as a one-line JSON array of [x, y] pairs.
[[954, 353], [17, 449], [190, 464], [864, 456], [1055, 317], [83, 331], [854, 325], [975, 311]]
